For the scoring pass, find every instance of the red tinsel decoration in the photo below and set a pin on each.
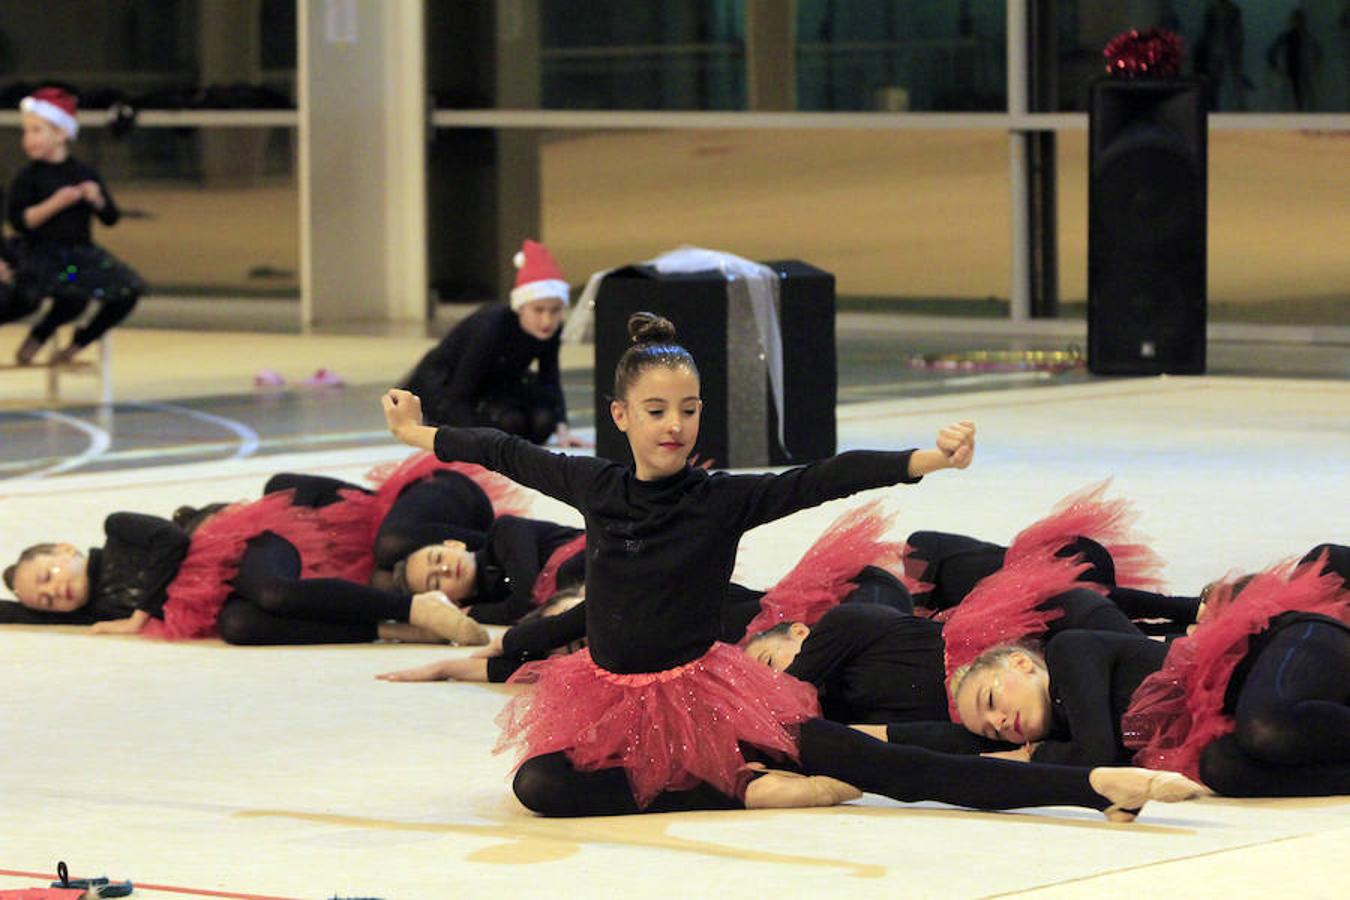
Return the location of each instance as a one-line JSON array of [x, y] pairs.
[[1153, 53]]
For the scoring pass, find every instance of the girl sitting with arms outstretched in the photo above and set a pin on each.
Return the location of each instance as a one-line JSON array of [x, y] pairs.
[[657, 714]]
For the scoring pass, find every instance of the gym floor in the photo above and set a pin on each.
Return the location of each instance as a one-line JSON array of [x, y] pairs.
[[205, 770]]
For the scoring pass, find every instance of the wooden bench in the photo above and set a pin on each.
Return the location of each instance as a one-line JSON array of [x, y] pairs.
[[101, 368]]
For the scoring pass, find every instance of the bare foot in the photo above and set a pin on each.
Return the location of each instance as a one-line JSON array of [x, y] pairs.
[[776, 789], [65, 354], [1129, 789]]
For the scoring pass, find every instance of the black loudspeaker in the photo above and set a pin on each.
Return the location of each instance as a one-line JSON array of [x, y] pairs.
[[1147, 191], [739, 425]]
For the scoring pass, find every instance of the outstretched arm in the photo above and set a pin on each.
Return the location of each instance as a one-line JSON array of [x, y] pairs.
[[460, 669], [773, 497], [562, 477]]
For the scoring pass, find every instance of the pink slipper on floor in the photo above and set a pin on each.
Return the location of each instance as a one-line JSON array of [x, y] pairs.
[[269, 378], [324, 378]]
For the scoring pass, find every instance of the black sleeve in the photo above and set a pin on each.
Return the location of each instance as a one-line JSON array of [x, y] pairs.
[[164, 545], [770, 497], [1085, 609], [550, 378], [943, 737], [837, 638], [1080, 664], [520, 547], [536, 639], [13, 613], [558, 475], [467, 372], [109, 214], [148, 532], [20, 198]]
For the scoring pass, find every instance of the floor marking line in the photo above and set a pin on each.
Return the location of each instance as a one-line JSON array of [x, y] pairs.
[[248, 438], [1148, 865], [168, 889], [99, 441]]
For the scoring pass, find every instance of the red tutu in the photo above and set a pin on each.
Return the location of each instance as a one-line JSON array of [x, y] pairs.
[[1108, 522], [668, 730], [546, 582], [912, 567], [507, 497], [1178, 710], [1005, 606], [823, 576], [334, 541]]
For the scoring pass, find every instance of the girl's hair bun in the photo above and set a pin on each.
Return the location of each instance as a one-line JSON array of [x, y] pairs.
[[649, 328]]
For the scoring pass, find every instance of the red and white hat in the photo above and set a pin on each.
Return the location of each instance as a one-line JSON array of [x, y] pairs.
[[54, 104], [539, 277]]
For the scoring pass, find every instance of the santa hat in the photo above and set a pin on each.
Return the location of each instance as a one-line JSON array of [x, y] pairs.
[[54, 104], [539, 277]]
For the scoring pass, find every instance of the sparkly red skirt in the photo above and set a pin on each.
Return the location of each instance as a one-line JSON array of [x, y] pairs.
[[507, 497], [1178, 711], [546, 582], [1087, 513], [668, 730], [822, 578], [334, 541], [1005, 605]]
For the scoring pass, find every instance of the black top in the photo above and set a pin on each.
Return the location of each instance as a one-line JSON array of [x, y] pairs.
[[536, 639], [1083, 609], [509, 564], [872, 663], [131, 572], [485, 351], [659, 554], [38, 181], [1093, 675]]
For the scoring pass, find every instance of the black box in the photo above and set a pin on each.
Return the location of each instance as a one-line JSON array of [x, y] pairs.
[[734, 432]]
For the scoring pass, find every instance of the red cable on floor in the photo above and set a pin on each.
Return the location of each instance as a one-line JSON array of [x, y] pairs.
[[158, 887]]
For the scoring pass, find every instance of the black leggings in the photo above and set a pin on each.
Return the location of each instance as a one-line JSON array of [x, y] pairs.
[[272, 604], [530, 418], [66, 307], [1293, 720], [550, 786], [311, 490]]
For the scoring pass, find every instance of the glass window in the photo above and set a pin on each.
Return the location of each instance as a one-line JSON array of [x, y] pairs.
[[912, 218], [1258, 57], [1275, 200], [204, 211], [614, 54], [165, 54], [927, 55]]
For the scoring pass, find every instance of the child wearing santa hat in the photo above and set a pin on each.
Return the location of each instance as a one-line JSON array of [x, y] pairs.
[[480, 373], [51, 203]]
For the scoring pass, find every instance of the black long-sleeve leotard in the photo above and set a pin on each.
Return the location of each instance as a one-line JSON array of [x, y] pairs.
[[484, 354], [38, 181], [510, 562], [871, 663], [130, 572], [659, 553]]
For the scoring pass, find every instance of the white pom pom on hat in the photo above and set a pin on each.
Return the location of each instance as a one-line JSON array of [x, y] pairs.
[[538, 278], [55, 105]]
